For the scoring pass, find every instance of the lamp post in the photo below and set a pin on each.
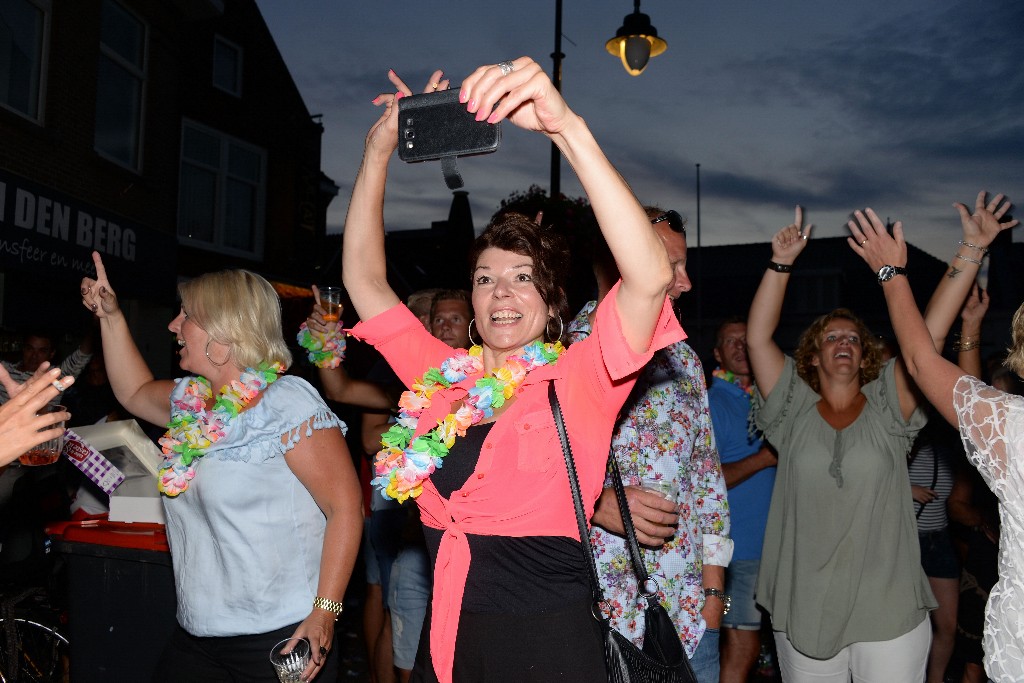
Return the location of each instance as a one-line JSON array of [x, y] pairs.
[[556, 78], [636, 41]]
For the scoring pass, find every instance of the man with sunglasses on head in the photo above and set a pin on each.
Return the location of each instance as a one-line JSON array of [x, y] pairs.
[[665, 449]]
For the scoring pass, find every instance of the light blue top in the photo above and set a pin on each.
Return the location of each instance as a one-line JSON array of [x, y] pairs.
[[246, 536], [748, 500]]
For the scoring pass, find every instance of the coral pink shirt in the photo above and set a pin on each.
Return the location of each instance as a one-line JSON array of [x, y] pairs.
[[520, 486]]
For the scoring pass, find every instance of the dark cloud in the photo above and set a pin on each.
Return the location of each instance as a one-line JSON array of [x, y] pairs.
[[919, 74]]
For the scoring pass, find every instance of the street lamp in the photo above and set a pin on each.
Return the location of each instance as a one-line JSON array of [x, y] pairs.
[[636, 41]]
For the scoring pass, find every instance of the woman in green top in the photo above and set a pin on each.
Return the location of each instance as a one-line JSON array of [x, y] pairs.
[[840, 571]]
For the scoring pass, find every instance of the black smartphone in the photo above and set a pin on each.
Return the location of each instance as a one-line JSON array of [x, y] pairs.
[[436, 125]]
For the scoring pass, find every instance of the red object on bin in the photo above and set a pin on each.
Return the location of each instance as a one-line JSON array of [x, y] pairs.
[[97, 529]]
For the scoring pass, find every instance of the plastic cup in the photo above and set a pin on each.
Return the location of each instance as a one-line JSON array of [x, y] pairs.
[[662, 487], [290, 658], [330, 300], [48, 452]]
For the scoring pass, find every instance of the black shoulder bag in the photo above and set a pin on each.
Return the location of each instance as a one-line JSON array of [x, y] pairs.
[[662, 658]]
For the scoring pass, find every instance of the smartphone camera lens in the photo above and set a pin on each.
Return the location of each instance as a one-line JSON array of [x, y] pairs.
[[410, 134]]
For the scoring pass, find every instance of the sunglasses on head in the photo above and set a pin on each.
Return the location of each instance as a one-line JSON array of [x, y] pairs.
[[675, 221]]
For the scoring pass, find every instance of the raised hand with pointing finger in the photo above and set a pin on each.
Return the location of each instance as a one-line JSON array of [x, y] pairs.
[[97, 294]]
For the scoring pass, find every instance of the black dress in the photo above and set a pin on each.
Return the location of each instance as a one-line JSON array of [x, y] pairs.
[[526, 608]]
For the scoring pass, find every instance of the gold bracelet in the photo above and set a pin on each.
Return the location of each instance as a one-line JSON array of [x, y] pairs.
[[966, 346], [332, 606]]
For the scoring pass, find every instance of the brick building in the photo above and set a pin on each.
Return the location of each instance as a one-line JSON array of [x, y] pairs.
[[166, 134]]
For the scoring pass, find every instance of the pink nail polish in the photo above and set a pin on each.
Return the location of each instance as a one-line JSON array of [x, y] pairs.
[[399, 96], [471, 106], [493, 118], [462, 96]]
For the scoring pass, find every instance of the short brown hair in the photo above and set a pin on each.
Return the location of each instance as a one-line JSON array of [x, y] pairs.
[[451, 295], [519, 234], [810, 344]]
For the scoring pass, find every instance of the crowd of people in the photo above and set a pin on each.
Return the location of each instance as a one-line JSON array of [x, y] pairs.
[[802, 492]]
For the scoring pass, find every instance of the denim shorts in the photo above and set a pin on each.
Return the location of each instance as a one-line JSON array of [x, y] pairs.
[[938, 558], [740, 580], [407, 598]]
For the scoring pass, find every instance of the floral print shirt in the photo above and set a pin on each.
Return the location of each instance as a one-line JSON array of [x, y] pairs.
[[666, 438]]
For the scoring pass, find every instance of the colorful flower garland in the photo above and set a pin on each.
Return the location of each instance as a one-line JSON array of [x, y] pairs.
[[193, 429], [730, 377], [325, 350], [401, 466]]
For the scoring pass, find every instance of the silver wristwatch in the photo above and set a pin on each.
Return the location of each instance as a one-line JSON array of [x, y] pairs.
[[721, 595], [886, 273]]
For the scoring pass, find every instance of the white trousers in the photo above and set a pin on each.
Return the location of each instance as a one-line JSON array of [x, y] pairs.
[[900, 660]]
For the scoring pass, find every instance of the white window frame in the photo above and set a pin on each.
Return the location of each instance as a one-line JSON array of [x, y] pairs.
[[45, 7], [141, 75], [237, 91], [220, 208]]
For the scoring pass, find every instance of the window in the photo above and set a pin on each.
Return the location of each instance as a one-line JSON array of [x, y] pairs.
[[120, 79], [23, 35], [221, 192], [227, 66]]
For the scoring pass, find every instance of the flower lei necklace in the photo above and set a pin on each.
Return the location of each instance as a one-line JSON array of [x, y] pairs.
[[193, 429], [325, 350], [730, 377], [401, 466]]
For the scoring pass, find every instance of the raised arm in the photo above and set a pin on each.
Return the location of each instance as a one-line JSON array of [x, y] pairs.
[[766, 358], [934, 375], [979, 230], [336, 383], [968, 347], [528, 99], [130, 377], [363, 265]]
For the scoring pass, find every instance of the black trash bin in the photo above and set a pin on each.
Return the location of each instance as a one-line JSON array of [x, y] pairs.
[[121, 601]]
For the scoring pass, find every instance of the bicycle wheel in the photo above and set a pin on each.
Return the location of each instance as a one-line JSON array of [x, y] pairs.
[[42, 653]]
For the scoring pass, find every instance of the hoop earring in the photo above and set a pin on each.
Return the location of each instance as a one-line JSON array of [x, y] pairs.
[[469, 333], [561, 327], [212, 361]]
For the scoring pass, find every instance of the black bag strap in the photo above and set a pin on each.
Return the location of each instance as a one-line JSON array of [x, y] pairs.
[[636, 558]]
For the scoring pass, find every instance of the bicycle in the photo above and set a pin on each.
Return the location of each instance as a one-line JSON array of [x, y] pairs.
[[32, 649]]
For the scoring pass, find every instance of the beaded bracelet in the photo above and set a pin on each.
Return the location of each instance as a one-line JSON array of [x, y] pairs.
[[983, 250], [969, 260], [325, 350]]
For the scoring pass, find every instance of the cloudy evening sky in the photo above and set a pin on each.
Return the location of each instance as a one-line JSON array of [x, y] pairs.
[[901, 105]]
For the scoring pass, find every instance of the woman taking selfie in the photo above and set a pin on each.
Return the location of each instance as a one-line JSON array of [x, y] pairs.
[[511, 599]]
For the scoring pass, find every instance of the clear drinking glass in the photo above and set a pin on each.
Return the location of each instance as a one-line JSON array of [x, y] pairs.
[[289, 658], [330, 299], [47, 452]]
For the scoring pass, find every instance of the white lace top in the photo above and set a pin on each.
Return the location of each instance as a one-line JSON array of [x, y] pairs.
[[992, 429]]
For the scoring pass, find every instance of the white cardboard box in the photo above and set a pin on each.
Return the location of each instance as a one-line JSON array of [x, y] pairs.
[[123, 442]]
